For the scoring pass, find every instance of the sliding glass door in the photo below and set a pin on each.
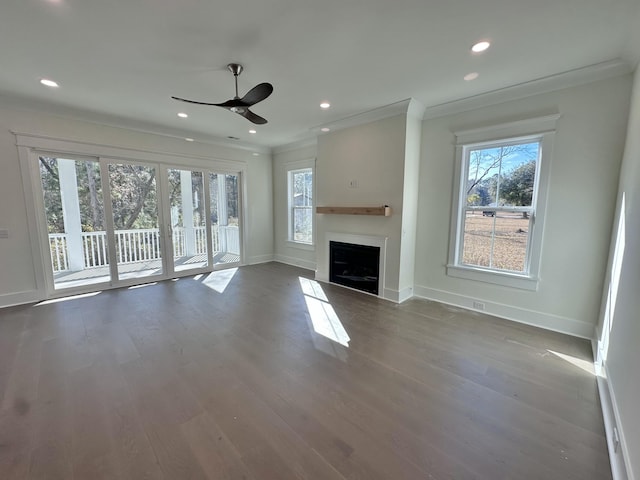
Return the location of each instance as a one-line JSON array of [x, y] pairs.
[[135, 220], [225, 218], [120, 222], [187, 211], [74, 214]]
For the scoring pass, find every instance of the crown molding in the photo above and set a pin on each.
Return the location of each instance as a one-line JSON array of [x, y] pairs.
[[572, 78], [69, 113], [403, 107], [416, 109], [288, 147]]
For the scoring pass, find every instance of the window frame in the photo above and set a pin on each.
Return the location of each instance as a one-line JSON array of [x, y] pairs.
[[540, 129], [294, 169]]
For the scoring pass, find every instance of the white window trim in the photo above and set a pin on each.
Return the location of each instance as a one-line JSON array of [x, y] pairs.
[[291, 168], [541, 129]]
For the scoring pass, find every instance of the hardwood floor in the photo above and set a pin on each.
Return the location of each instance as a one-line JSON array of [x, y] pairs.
[[179, 381]]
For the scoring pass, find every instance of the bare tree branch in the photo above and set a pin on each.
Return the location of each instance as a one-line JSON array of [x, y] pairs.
[[46, 165]]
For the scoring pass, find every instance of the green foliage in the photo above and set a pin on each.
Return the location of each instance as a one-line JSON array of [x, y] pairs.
[[89, 195], [516, 188], [133, 196], [52, 198], [474, 199], [233, 194]]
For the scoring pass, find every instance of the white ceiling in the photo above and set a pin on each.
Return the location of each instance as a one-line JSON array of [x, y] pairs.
[[121, 60]]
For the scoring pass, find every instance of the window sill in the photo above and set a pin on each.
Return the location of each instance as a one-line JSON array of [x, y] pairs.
[[301, 246], [505, 279]]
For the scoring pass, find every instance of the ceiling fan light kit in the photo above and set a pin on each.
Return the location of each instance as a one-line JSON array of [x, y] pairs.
[[241, 105]]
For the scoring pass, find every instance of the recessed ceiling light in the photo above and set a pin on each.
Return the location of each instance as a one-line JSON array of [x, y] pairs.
[[325, 105], [189, 139], [49, 83], [471, 76], [325, 129], [252, 131], [480, 46], [255, 154], [182, 115]]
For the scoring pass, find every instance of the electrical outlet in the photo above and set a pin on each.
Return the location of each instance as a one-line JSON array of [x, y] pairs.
[[478, 305], [353, 183], [4, 233]]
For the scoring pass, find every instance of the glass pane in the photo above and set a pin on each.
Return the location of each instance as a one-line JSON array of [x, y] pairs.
[[302, 221], [303, 188], [500, 176], [498, 242], [223, 190], [74, 210], [510, 243], [478, 233], [135, 218], [188, 228]]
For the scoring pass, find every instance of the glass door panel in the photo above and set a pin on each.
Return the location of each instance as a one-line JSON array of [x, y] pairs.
[[188, 220], [74, 212], [225, 221], [134, 203]]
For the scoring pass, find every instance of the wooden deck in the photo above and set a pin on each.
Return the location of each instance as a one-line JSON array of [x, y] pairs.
[[90, 276], [178, 381]]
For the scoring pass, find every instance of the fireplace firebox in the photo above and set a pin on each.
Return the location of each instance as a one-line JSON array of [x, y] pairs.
[[354, 266]]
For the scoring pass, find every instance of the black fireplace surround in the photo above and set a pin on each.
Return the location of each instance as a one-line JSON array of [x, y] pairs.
[[354, 266]]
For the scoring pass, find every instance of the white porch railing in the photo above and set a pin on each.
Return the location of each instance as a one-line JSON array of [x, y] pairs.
[[140, 245], [58, 247]]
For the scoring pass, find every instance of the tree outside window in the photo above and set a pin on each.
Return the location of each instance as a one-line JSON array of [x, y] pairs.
[[301, 205], [500, 198]]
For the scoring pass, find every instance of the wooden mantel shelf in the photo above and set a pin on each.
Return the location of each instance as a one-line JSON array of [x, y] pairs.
[[384, 211]]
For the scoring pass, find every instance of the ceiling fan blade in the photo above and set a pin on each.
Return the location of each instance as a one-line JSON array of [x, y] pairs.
[[252, 117], [257, 94], [228, 104], [193, 101], [234, 102]]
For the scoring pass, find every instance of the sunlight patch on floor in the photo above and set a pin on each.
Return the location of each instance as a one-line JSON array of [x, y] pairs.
[[220, 279], [313, 289], [133, 287], [324, 319], [578, 362], [66, 299]]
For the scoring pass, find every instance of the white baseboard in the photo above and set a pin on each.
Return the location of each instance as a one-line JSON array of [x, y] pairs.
[[256, 259], [20, 298], [296, 262], [547, 321], [405, 294], [620, 468], [398, 296], [322, 276]]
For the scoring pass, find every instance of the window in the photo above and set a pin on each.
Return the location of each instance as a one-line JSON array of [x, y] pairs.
[[497, 230], [301, 205]]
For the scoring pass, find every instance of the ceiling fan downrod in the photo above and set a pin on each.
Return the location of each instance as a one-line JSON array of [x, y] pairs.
[[236, 69]]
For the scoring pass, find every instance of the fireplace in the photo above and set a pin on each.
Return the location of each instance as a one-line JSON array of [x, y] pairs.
[[354, 266]]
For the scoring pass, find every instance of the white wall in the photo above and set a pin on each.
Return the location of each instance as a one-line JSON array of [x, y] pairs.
[[372, 154], [587, 153], [410, 207], [285, 251], [623, 353], [18, 280]]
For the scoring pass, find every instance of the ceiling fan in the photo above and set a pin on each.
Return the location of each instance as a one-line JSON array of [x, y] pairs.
[[241, 105]]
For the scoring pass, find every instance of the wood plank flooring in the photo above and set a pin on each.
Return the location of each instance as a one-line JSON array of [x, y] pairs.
[[179, 381]]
